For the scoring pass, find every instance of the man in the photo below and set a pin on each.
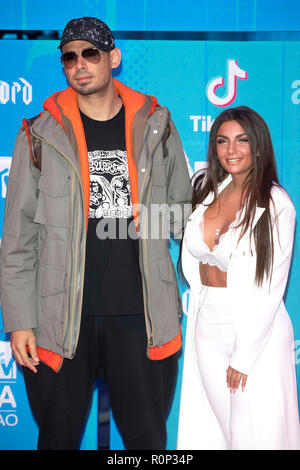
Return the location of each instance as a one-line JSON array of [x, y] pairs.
[[79, 299]]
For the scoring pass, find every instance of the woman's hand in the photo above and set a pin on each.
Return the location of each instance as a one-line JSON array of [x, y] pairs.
[[234, 377]]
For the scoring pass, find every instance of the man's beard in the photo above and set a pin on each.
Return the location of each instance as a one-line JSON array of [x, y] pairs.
[[85, 92], [86, 89]]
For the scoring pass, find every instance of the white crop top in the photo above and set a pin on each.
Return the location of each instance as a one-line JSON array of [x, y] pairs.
[[220, 254]]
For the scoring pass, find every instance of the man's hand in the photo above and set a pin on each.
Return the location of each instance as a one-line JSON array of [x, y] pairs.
[[234, 377], [20, 340]]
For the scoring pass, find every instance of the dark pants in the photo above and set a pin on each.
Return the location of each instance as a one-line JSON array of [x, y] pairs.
[[140, 390]]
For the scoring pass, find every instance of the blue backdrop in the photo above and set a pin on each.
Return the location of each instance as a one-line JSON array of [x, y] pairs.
[[197, 59]]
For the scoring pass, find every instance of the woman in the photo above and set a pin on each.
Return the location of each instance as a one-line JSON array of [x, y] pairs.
[[239, 386]]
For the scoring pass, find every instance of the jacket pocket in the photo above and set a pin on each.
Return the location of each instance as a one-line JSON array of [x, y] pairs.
[[49, 281], [169, 298], [53, 206], [50, 306], [158, 184], [158, 175], [165, 270]]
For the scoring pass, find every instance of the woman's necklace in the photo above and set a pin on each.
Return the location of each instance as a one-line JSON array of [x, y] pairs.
[[217, 236], [218, 230], [221, 227]]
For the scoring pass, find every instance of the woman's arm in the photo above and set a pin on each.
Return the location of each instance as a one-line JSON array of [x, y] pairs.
[[254, 308]]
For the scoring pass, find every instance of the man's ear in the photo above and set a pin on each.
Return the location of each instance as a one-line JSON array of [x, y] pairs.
[[115, 58]]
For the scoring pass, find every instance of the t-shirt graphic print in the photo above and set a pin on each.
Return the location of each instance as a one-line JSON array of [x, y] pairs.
[[110, 195]]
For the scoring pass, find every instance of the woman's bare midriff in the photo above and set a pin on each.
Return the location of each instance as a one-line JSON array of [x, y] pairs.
[[212, 276]]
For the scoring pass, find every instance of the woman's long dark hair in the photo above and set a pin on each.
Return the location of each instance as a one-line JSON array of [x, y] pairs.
[[258, 184]]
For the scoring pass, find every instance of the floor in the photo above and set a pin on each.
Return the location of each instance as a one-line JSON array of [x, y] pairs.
[[104, 417]]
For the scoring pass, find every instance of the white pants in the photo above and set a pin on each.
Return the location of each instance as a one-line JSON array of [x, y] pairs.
[[265, 414]]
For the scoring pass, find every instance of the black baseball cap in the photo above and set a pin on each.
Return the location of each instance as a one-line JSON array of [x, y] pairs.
[[88, 29]]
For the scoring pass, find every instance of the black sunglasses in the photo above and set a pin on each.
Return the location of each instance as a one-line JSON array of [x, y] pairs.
[[91, 54]]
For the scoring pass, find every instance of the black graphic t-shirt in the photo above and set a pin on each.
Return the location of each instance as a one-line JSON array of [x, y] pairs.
[[113, 283]]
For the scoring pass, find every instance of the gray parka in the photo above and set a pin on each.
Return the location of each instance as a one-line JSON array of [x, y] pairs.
[[44, 232]]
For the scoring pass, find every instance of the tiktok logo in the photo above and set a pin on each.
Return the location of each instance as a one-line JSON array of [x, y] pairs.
[[233, 72]]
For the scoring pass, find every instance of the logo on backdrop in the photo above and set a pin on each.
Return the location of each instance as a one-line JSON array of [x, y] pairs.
[[8, 376], [4, 172], [203, 123], [16, 91], [8, 369], [296, 94], [233, 72]]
